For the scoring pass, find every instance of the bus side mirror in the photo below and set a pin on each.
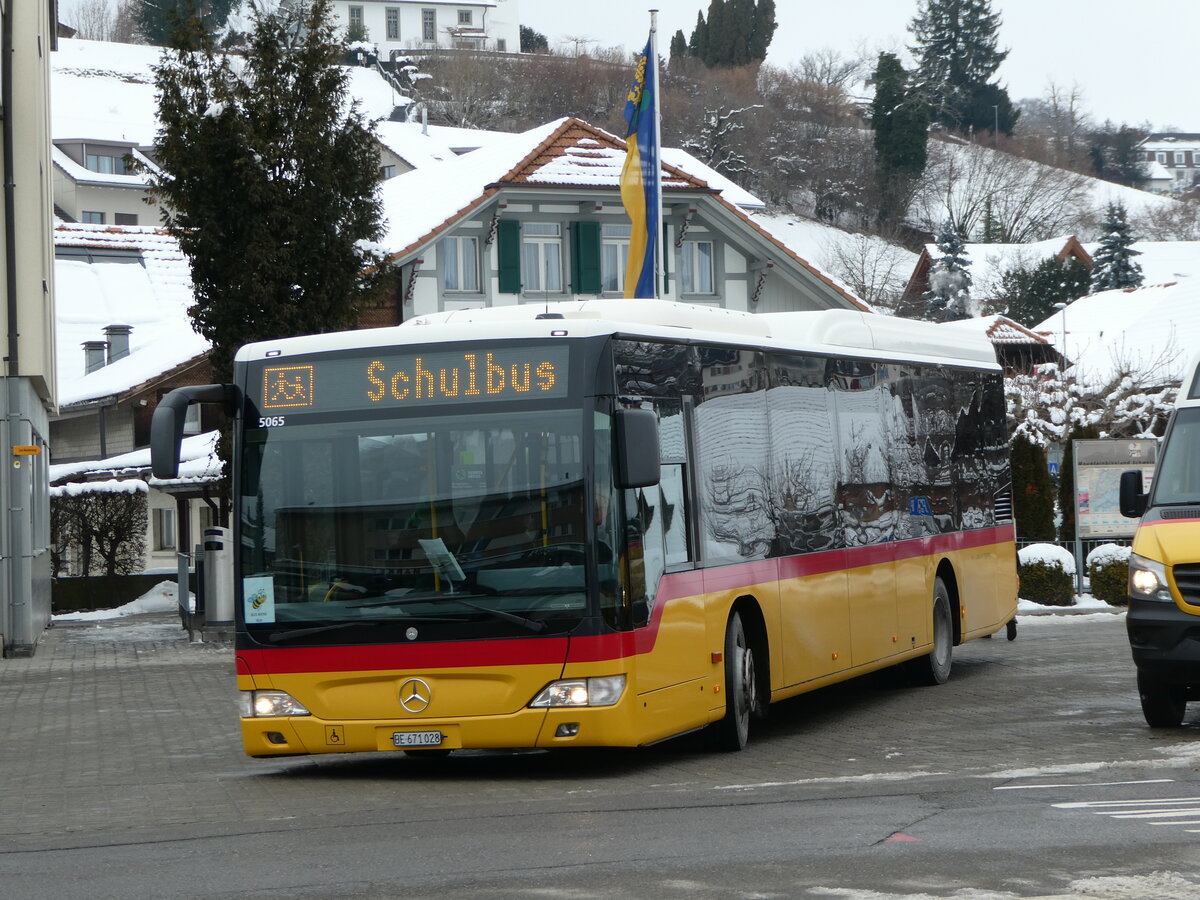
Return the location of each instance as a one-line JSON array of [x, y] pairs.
[[166, 426], [637, 448], [1133, 501]]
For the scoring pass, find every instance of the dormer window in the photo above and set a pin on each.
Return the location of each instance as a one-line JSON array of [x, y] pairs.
[[106, 164]]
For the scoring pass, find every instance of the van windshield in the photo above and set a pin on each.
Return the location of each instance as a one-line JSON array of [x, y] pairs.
[[1177, 479]]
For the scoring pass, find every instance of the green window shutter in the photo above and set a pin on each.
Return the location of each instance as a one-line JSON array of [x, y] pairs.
[[508, 251], [666, 261], [585, 257]]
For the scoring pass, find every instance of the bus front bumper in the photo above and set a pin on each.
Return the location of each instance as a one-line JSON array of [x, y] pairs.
[[1165, 641], [584, 727]]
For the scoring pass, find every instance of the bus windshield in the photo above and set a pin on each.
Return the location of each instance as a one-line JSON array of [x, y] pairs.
[[1177, 479], [434, 528]]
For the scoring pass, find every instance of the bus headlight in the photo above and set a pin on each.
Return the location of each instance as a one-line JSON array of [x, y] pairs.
[[605, 691], [1148, 579], [269, 704]]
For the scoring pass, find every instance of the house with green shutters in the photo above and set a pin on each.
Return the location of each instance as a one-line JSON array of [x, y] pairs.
[[537, 217]]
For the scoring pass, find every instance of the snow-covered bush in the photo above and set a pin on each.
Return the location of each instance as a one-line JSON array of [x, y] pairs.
[[1108, 572], [1047, 574]]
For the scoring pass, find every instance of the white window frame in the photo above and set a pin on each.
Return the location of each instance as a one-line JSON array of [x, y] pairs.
[[694, 276], [1179, 158], [165, 533], [1161, 157], [457, 275], [92, 217], [392, 22], [501, 45], [429, 25], [464, 18], [541, 258], [386, 172], [614, 257]]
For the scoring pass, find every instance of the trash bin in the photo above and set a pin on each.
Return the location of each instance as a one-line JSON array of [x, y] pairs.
[[218, 576]]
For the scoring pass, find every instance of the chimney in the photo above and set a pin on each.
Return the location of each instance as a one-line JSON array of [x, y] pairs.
[[118, 341], [93, 355]]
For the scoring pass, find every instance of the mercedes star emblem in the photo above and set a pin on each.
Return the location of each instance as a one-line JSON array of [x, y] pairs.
[[415, 695]]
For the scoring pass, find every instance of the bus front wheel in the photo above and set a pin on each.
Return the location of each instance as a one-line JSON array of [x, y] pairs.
[[935, 667], [1163, 704], [741, 688]]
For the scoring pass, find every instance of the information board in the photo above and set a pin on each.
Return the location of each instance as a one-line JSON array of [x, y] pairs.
[[1098, 468]]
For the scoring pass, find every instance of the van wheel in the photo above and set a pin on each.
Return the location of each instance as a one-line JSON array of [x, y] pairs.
[[935, 668], [1163, 704], [741, 689]]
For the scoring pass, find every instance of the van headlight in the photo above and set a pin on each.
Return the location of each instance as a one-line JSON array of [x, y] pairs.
[[1148, 580], [269, 705], [605, 691]]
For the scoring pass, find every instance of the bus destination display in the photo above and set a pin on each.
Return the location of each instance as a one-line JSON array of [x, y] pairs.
[[415, 379]]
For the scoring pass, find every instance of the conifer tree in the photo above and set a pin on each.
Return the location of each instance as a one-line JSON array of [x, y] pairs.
[[1113, 266], [736, 32], [949, 278], [679, 46], [698, 42], [268, 180], [957, 56], [1033, 492], [1030, 296], [900, 121]]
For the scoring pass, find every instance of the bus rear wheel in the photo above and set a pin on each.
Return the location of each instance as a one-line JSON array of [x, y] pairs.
[[935, 667], [741, 689], [1163, 704]]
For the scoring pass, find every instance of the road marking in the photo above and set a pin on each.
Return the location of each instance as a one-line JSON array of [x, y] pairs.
[[1090, 804], [1174, 811], [1039, 787]]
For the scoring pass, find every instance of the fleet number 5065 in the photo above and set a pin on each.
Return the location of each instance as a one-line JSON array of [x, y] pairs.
[[270, 421]]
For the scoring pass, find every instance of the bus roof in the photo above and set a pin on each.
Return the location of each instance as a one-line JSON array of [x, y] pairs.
[[834, 332]]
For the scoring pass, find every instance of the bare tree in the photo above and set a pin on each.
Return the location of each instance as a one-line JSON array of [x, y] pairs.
[[1170, 222], [829, 68], [91, 19], [102, 525], [1025, 201], [875, 268], [1059, 121]]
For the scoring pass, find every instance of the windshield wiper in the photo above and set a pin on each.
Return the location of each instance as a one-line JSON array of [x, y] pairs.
[[280, 637], [531, 624]]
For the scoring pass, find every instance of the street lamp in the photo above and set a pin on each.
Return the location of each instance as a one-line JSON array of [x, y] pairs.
[[1063, 352]]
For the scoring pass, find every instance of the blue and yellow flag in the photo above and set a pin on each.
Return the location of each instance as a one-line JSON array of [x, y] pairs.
[[639, 178]]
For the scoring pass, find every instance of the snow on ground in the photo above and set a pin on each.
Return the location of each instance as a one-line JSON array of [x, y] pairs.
[[160, 598]]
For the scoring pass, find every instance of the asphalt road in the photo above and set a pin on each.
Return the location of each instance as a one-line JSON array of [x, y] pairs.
[[1030, 774]]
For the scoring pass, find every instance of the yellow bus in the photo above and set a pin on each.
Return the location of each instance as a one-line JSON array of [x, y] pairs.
[[1163, 621], [601, 523]]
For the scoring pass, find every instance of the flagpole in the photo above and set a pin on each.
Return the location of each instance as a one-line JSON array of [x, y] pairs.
[[657, 236]]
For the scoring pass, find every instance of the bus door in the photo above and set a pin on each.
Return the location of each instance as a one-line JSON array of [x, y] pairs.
[[668, 606]]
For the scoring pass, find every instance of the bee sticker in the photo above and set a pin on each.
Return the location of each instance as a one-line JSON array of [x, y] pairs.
[[258, 599]]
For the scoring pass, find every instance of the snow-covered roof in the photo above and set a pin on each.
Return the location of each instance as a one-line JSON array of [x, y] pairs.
[[151, 297], [105, 92], [1149, 331], [421, 145], [198, 463], [562, 152], [83, 175], [998, 330], [732, 192]]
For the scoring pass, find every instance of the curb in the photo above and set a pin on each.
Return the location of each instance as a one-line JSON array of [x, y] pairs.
[[1072, 611]]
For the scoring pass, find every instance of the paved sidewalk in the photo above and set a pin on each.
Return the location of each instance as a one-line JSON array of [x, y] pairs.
[[108, 719]]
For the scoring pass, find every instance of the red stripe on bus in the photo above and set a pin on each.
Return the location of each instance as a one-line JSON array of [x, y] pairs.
[[597, 648]]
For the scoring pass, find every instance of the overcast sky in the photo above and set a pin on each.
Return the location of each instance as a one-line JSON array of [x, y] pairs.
[[1134, 60]]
